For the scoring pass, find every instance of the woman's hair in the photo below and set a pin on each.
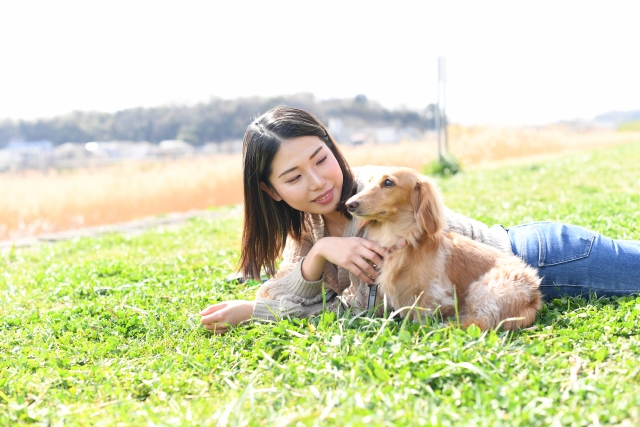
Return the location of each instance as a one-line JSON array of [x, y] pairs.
[[267, 223]]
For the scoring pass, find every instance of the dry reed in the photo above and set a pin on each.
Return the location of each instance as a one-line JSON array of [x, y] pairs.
[[33, 203]]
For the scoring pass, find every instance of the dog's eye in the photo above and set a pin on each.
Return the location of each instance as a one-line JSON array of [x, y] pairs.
[[388, 183]]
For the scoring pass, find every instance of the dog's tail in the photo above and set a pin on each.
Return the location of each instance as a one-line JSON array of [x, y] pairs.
[[508, 296]]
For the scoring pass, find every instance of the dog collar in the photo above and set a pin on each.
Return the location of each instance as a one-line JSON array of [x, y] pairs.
[[397, 246]]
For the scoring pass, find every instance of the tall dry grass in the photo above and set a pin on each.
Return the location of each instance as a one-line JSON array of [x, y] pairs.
[[33, 203], [475, 146]]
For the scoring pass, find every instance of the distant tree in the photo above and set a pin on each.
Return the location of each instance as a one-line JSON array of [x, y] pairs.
[[360, 99], [214, 121], [8, 132]]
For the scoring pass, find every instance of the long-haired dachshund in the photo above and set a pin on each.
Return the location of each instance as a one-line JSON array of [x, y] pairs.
[[438, 266]]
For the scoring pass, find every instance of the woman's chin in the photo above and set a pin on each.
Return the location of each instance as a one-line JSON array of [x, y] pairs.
[[320, 209]]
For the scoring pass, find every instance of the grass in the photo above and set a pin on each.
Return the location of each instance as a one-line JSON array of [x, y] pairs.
[[34, 203], [442, 167], [103, 331]]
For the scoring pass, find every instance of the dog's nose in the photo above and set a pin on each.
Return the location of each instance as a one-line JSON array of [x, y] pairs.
[[352, 206]]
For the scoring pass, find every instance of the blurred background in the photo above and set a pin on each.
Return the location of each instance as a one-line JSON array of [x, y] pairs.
[[112, 111]]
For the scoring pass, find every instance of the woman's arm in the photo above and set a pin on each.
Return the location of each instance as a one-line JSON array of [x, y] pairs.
[[296, 290], [287, 293], [354, 254], [219, 317]]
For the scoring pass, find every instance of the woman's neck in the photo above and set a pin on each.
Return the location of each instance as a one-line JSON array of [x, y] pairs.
[[335, 223]]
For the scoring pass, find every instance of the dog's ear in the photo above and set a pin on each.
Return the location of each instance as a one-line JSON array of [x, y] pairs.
[[428, 207]]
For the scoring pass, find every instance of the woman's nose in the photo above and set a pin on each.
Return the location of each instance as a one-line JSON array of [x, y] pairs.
[[317, 181]]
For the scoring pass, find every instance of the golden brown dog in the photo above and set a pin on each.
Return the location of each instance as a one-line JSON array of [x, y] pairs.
[[490, 286]]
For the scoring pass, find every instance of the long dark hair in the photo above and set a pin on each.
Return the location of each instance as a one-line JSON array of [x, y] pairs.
[[267, 223]]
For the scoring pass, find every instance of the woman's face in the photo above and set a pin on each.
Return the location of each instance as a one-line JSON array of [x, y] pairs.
[[306, 175]]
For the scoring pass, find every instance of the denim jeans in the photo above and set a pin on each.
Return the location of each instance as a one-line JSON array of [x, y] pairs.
[[574, 261]]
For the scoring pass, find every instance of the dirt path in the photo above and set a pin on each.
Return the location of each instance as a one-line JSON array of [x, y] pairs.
[[131, 227]]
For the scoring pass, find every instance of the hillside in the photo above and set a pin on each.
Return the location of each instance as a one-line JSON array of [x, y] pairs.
[[215, 121]]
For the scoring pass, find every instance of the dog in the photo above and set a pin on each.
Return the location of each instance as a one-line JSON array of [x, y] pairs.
[[439, 269]]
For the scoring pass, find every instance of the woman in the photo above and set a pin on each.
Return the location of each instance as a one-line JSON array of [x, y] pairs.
[[296, 182]]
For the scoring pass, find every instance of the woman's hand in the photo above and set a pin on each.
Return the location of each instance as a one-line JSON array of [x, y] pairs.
[[355, 254], [219, 317]]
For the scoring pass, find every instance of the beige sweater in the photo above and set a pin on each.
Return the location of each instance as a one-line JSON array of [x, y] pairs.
[[289, 294]]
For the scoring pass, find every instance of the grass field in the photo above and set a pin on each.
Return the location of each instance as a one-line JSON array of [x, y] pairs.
[[104, 331], [34, 203]]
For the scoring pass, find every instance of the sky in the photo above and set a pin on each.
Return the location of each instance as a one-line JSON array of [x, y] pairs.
[[508, 62]]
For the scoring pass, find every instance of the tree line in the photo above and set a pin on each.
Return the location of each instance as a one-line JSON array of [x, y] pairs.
[[214, 121]]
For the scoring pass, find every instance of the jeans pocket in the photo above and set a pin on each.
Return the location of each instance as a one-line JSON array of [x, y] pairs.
[[560, 243]]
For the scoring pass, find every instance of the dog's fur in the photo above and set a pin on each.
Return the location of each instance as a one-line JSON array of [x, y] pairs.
[[490, 286]]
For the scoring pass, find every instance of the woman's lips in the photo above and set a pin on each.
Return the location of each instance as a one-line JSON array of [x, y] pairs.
[[324, 198]]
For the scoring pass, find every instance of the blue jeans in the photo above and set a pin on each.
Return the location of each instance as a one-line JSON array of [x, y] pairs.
[[574, 261]]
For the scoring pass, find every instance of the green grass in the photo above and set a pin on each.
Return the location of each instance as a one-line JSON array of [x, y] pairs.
[[104, 331], [443, 167]]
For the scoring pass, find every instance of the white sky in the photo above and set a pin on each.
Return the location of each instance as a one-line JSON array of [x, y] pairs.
[[508, 62]]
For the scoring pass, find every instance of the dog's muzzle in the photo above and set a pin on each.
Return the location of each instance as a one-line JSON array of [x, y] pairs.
[[352, 206]]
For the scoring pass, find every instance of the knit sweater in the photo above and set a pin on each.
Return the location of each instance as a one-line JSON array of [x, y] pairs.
[[289, 294]]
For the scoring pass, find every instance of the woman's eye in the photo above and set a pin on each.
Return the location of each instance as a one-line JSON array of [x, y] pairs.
[[293, 179], [322, 160], [388, 183]]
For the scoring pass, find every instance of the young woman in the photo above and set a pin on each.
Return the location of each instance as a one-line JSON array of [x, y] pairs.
[[296, 182]]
